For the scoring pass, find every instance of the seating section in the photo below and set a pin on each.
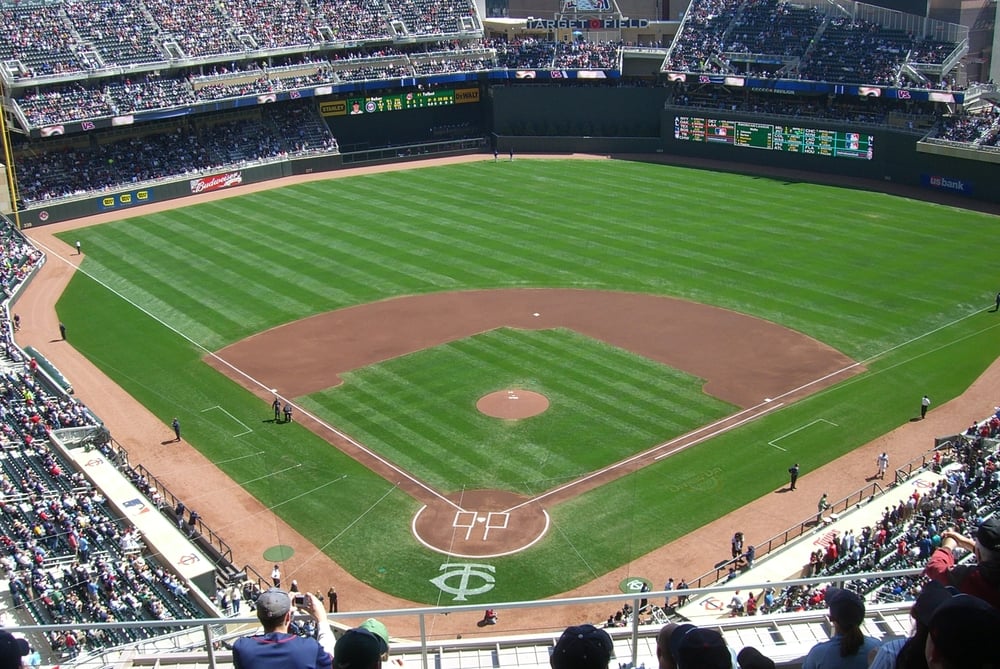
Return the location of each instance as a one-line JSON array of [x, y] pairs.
[[910, 530], [982, 129], [770, 28], [119, 31], [153, 91], [67, 557], [701, 36], [815, 47], [37, 36], [432, 17], [857, 52], [354, 20], [51, 38], [260, 135]]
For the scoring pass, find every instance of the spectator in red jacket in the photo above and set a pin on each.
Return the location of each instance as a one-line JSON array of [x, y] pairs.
[[981, 579]]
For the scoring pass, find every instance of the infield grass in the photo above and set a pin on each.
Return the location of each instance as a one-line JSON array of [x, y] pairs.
[[902, 286]]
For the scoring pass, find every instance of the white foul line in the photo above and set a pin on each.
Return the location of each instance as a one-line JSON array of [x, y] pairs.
[[402, 472]]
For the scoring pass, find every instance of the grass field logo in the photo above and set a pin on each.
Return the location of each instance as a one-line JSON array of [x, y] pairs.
[[465, 572]]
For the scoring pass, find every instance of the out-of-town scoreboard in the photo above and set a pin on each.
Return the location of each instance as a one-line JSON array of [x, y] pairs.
[[792, 139]]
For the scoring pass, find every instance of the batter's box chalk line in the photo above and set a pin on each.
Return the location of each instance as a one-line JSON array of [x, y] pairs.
[[774, 442], [246, 428], [467, 520]]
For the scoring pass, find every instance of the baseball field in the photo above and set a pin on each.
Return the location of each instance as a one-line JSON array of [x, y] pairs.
[[691, 334]]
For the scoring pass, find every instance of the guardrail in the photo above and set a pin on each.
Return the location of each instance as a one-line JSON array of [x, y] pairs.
[[204, 641]]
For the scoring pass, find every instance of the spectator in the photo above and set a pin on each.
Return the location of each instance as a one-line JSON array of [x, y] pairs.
[[12, 650], [963, 634], [981, 579], [582, 647], [908, 653], [751, 658], [276, 647], [849, 647], [359, 648], [699, 648], [666, 660]]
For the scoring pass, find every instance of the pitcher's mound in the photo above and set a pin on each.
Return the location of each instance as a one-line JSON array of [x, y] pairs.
[[512, 404]]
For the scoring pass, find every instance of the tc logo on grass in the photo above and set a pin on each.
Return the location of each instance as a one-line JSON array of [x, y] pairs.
[[466, 573]]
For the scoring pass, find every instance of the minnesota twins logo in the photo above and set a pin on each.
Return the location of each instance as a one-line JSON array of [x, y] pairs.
[[464, 573]]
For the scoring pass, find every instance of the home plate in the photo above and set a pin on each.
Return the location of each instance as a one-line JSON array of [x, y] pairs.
[[536, 314]]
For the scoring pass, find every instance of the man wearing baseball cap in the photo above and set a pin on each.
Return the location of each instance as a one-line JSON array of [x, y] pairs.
[[582, 647], [694, 647], [276, 648], [962, 635], [12, 650], [982, 579], [363, 647]]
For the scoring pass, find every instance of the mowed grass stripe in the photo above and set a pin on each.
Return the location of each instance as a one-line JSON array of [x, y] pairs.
[[413, 435], [650, 385], [604, 395]]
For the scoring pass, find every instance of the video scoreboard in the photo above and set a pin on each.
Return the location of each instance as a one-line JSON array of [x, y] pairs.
[[775, 137], [356, 106], [413, 100]]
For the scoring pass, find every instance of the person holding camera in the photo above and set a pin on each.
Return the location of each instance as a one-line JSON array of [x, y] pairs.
[[277, 648]]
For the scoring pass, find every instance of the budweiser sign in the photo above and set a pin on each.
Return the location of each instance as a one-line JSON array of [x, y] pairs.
[[216, 182]]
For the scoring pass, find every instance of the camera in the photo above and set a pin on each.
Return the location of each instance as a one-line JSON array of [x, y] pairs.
[[300, 601]]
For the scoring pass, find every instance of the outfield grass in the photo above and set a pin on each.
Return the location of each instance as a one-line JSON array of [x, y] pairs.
[[901, 285]]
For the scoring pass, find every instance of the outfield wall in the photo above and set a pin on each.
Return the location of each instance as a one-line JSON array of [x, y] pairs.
[[620, 120], [171, 190], [539, 118]]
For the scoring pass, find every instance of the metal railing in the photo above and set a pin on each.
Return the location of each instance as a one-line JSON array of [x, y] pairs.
[[721, 570], [203, 641]]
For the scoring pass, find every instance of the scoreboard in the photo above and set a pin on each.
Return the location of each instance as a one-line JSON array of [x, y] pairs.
[[412, 100], [775, 137]]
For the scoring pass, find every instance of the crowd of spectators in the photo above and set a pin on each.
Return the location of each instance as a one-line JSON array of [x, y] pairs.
[[73, 36], [810, 46], [766, 27], [909, 531], [126, 95], [118, 30], [581, 54], [202, 145], [982, 129], [433, 17], [700, 39], [858, 52], [65, 555], [39, 38]]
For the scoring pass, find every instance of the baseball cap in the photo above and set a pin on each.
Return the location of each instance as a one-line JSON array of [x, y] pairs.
[[582, 647], [273, 603], [931, 596], [358, 648], [846, 607], [699, 648], [988, 534], [12, 650], [378, 629], [751, 658], [964, 629]]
